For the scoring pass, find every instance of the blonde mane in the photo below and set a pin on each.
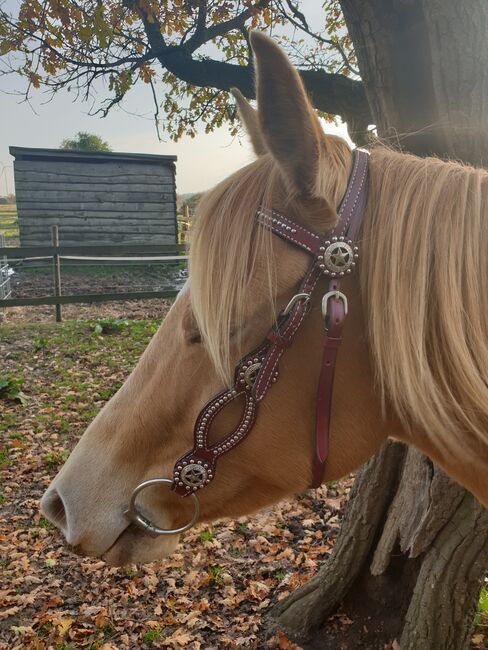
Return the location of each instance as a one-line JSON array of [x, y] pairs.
[[424, 274], [227, 246], [425, 286]]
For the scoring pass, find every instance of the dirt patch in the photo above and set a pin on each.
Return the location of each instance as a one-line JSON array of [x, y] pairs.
[[130, 309], [28, 282]]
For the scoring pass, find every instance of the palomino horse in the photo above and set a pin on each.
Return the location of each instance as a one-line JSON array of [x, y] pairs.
[[413, 363]]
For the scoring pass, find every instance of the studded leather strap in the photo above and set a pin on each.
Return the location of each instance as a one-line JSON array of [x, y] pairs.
[[287, 229], [257, 371]]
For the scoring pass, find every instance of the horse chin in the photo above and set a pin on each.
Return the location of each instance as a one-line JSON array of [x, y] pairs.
[[135, 547]]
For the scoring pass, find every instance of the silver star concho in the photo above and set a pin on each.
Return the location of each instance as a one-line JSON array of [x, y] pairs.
[[337, 257], [193, 475]]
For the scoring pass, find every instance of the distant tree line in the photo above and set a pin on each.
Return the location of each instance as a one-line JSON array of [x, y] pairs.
[[84, 141]]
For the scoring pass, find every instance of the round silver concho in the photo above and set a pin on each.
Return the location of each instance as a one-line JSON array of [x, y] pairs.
[[337, 257], [194, 475], [251, 373]]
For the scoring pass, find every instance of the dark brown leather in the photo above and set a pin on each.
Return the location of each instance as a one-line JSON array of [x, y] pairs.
[[331, 341], [350, 214], [287, 229], [257, 371]]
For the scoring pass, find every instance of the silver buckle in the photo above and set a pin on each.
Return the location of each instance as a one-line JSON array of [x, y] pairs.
[[145, 524], [337, 295], [296, 298]]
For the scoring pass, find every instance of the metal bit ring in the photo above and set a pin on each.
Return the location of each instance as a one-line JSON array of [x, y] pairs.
[[145, 524]]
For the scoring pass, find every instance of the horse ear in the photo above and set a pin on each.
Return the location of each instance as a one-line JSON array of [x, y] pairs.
[[249, 117], [290, 128]]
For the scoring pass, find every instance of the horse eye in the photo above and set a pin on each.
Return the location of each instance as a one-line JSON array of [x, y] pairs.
[[194, 337], [191, 332]]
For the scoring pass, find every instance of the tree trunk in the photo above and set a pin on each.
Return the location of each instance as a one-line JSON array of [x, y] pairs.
[[412, 551], [424, 64], [406, 566]]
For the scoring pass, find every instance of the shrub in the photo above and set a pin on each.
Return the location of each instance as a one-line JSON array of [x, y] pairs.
[[11, 389], [110, 325]]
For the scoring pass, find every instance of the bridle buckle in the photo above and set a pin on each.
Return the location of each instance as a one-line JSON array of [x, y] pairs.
[[337, 295], [296, 298], [332, 295]]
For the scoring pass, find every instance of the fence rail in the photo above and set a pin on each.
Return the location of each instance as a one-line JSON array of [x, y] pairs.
[[102, 252], [87, 297], [22, 252]]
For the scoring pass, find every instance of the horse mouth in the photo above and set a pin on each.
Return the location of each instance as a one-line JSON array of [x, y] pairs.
[[135, 546], [119, 552]]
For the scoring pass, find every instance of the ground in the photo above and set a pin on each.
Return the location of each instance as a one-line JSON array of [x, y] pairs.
[[213, 593], [9, 225]]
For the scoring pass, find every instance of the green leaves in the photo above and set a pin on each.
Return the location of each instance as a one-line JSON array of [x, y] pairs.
[[84, 141], [110, 325], [101, 28], [10, 389], [481, 618], [61, 44]]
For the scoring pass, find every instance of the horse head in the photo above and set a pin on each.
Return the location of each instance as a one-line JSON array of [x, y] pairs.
[[241, 277]]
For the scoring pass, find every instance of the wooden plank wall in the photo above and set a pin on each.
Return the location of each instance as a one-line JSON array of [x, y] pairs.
[[107, 202]]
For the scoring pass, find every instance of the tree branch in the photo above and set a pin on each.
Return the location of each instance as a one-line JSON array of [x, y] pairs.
[[300, 22], [330, 93], [205, 34], [200, 29], [237, 22]]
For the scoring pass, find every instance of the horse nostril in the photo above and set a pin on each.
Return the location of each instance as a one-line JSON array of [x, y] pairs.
[[52, 507]]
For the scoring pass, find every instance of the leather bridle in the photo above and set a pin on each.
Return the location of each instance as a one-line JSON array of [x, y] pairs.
[[333, 255]]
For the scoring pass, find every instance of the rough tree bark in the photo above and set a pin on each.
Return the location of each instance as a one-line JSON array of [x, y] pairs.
[[406, 566], [424, 65], [413, 548]]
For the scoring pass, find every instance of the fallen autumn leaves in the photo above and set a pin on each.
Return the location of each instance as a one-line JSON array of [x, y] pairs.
[[213, 593]]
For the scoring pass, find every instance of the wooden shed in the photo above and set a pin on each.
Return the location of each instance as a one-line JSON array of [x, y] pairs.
[[94, 197]]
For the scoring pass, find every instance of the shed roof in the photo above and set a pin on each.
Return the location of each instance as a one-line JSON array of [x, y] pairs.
[[30, 153]]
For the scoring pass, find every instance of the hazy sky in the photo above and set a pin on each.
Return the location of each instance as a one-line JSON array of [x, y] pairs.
[[201, 163]]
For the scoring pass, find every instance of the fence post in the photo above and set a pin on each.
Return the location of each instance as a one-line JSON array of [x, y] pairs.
[[185, 225], [56, 272]]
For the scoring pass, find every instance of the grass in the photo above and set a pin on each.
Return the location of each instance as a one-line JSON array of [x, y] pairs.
[[69, 380], [8, 221], [55, 459], [152, 636], [280, 575], [481, 618], [215, 576]]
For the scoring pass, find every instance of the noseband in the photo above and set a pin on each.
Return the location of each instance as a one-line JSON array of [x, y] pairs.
[[333, 255]]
